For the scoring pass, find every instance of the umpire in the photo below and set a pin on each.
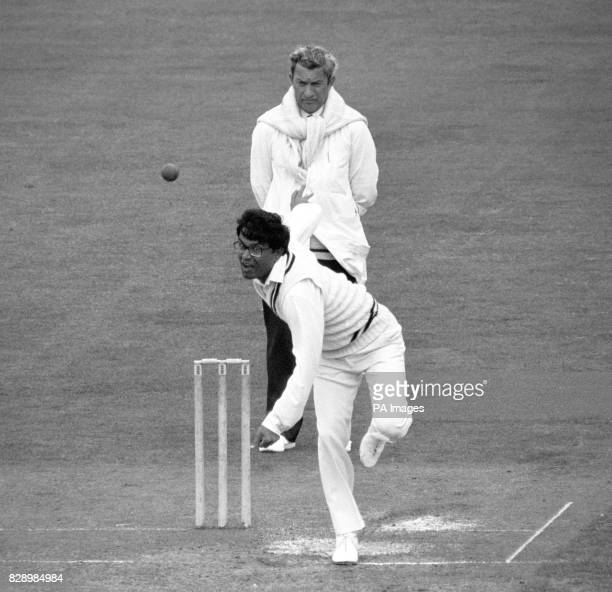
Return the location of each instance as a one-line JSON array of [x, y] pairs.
[[315, 142]]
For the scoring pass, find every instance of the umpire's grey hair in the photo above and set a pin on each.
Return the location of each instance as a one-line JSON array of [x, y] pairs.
[[314, 56]]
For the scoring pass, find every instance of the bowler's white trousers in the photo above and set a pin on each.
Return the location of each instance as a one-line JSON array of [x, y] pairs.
[[335, 388]]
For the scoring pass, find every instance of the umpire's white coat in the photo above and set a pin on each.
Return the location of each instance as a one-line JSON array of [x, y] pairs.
[[334, 156]]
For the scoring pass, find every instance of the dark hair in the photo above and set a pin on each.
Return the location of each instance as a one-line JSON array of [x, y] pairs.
[[264, 227], [314, 56]]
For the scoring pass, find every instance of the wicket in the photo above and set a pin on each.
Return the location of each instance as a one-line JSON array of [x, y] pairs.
[[245, 445]]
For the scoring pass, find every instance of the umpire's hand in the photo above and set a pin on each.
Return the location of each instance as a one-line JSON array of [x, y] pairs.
[[264, 437]]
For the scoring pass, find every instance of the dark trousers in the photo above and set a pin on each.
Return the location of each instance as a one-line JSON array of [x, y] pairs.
[[280, 360]]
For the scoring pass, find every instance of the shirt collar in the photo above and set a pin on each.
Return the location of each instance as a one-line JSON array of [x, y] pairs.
[[277, 273], [319, 111]]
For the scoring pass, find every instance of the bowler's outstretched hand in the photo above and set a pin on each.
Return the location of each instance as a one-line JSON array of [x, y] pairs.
[[264, 437]]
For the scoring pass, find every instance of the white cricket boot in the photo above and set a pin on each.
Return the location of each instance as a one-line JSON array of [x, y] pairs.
[[346, 552]]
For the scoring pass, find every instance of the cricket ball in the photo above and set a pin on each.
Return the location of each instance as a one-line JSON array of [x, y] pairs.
[[169, 172]]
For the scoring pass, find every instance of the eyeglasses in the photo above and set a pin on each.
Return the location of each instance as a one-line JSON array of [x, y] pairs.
[[254, 251]]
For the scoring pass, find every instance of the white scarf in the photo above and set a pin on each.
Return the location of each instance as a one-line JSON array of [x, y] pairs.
[[311, 130]]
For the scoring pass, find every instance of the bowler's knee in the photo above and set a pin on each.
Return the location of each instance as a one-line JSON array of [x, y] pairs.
[[331, 433]]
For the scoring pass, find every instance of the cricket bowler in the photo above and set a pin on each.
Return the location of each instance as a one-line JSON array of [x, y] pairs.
[[340, 333]]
